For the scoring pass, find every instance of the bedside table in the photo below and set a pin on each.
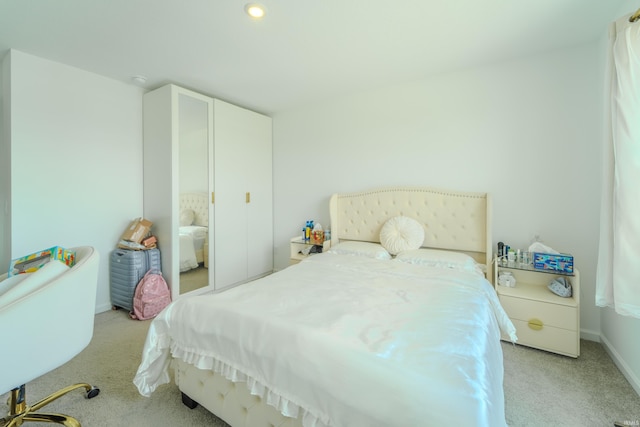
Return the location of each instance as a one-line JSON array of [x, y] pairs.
[[296, 244], [542, 319]]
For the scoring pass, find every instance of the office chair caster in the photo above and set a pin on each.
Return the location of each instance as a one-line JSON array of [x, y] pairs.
[[93, 392]]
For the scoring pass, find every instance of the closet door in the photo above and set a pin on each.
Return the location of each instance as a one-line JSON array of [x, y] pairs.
[[259, 174], [195, 141], [230, 204], [243, 180]]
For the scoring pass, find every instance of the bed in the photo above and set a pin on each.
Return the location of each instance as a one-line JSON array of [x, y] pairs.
[[193, 230], [353, 336]]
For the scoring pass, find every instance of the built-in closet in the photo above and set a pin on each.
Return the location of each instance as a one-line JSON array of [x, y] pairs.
[[220, 154]]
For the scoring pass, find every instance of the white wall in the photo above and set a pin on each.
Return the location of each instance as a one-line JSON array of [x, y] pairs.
[[5, 169], [527, 131], [620, 338], [76, 160], [194, 166]]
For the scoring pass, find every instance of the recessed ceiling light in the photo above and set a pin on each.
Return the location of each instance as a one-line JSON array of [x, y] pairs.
[[255, 10]]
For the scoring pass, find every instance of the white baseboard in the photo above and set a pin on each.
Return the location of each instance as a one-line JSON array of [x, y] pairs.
[[621, 364], [102, 308]]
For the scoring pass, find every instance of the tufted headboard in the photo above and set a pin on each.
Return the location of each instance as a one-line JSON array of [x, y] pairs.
[[452, 220], [199, 203]]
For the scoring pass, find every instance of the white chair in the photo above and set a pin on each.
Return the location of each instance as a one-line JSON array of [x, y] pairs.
[[44, 322]]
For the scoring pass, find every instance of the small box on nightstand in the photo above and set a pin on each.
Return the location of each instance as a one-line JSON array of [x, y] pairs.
[[553, 262]]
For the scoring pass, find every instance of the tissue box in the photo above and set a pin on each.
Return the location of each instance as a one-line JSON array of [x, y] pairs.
[[32, 262], [137, 230], [553, 262]]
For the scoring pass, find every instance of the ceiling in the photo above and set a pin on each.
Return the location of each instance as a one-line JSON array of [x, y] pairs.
[[303, 51]]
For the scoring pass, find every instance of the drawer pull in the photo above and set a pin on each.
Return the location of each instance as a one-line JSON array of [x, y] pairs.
[[536, 324]]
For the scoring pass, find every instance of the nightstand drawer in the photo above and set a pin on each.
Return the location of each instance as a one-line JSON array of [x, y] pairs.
[[548, 338], [525, 310]]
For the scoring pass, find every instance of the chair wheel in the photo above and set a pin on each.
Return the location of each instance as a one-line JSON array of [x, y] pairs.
[[93, 392]]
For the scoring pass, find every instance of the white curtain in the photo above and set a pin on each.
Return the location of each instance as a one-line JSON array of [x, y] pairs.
[[618, 276]]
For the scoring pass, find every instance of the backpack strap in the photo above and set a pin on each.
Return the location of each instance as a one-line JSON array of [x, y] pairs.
[[132, 315]]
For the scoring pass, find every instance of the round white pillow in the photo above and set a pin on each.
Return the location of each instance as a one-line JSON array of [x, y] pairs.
[[187, 216], [401, 233]]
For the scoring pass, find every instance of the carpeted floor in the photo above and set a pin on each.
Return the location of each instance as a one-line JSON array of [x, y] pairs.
[[546, 389], [541, 389], [110, 363]]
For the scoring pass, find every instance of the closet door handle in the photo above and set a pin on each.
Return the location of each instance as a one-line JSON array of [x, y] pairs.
[[213, 197], [248, 197]]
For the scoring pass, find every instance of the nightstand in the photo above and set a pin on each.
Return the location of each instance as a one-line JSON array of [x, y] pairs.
[[297, 244], [542, 319]]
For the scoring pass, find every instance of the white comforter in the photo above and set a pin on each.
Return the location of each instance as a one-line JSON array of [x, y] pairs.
[[192, 238], [349, 341]]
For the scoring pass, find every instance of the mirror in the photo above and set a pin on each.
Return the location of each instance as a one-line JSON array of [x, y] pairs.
[[193, 194]]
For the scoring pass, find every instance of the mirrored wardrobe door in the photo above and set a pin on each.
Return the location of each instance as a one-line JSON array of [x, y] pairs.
[[194, 201]]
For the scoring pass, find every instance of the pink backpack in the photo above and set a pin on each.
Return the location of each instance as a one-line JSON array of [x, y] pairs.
[[150, 297]]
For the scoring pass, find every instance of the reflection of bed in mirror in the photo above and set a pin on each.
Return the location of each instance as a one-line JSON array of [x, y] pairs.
[[193, 230]]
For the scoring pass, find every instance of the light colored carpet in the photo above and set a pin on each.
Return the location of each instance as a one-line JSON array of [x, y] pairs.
[[110, 363], [542, 389], [546, 389]]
